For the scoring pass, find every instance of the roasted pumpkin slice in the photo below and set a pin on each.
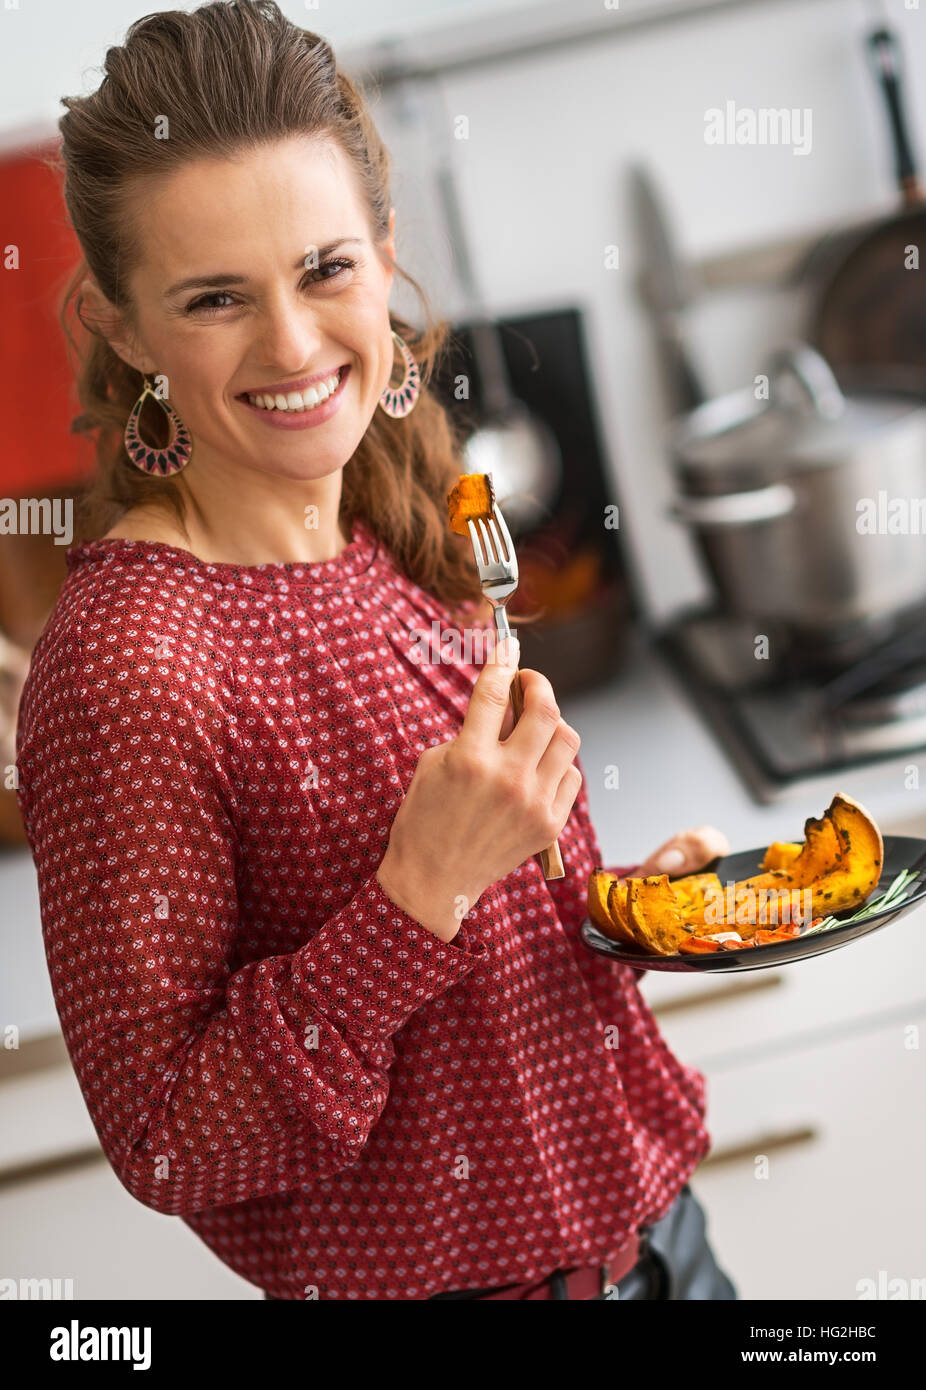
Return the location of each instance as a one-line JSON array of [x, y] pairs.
[[858, 871], [472, 495], [766, 899], [601, 888], [781, 853], [599, 881], [821, 851], [654, 915], [692, 891], [659, 915], [617, 909], [841, 860]]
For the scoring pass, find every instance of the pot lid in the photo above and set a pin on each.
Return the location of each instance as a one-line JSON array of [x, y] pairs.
[[801, 419]]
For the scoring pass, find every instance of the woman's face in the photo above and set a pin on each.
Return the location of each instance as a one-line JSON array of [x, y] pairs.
[[258, 272]]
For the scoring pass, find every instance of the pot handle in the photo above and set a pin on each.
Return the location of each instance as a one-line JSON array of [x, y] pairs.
[[813, 373], [735, 508]]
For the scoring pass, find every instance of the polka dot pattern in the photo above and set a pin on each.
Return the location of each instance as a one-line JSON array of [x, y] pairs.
[[339, 1104]]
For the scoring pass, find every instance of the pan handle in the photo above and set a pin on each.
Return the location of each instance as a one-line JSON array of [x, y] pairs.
[[803, 364], [884, 50], [735, 508]]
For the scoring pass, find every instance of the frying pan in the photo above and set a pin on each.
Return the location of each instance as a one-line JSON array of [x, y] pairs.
[[869, 321]]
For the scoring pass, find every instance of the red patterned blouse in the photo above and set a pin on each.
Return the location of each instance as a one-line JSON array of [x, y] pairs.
[[338, 1103]]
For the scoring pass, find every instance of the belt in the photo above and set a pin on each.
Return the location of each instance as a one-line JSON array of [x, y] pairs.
[[585, 1281]]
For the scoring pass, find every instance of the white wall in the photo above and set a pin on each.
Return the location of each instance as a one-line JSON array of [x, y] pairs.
[[542, 177]]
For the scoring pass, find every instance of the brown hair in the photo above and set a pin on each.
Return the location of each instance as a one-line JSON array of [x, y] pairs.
[[230, 76]]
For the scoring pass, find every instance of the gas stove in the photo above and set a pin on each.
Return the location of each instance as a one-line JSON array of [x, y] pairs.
[[788, 711]]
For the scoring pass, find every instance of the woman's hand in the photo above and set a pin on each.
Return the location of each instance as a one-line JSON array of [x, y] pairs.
[[685, 853], [480, 804]]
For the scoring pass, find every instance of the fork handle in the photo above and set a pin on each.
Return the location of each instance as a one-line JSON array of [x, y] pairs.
[[551, 861]]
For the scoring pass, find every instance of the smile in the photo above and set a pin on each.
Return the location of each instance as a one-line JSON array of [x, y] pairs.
[[298, 409]]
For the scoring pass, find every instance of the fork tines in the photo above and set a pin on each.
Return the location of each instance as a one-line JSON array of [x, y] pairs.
[[492, 543]]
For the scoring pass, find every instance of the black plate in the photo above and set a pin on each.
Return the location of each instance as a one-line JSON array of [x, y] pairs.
[[900, 852]]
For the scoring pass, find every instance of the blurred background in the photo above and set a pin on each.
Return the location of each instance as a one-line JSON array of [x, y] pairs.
[[679, 246]]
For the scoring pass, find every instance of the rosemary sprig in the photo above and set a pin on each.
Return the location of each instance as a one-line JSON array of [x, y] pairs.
[[891, 897]]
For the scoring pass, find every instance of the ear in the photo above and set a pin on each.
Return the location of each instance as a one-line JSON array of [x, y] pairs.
[[106, 319]]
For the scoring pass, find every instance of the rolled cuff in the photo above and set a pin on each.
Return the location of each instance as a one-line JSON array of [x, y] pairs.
[[372, 964]]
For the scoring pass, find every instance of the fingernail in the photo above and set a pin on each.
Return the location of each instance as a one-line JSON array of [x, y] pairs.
[[672, 859], [509, 649]]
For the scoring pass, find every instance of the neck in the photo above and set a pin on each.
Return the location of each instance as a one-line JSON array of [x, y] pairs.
[[264, 520]]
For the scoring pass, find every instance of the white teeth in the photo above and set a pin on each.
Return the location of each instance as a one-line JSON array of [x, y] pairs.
[[298, 400]]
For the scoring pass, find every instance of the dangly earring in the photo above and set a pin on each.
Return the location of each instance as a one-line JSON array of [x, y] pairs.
[[157, 462], [399, 400]]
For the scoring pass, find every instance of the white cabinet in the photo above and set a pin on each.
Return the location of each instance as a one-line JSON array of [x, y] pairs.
[[82, 1225], [78, 1222], [811, 1065], [840, 1206]]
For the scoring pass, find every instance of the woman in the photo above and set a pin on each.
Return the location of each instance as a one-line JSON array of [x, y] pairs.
[[320, 1000]]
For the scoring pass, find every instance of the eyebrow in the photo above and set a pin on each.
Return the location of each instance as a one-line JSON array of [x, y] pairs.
[[221, 281]]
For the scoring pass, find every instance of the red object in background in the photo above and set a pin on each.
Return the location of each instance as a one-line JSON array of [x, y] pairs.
[[38, 394]]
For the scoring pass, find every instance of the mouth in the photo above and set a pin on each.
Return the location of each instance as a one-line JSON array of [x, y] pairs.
[[294, 401]]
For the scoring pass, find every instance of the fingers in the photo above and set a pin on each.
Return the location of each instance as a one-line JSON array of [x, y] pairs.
[[562, 750], [485, 713], [705, 843], [540, 722], [686, 852], [565, 797]]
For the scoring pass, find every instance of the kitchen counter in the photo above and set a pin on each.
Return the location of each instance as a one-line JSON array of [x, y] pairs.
[[639, 730]]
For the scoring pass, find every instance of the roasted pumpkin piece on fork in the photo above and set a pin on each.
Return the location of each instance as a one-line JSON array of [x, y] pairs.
[[472, 495]]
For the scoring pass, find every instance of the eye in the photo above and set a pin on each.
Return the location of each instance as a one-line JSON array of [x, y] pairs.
[[338, 265], [205, 305]]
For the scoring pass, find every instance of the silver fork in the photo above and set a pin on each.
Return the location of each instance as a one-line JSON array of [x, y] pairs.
[[497, 565]]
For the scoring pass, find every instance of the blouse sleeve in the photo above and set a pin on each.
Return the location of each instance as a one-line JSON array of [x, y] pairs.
[[207, 1084]]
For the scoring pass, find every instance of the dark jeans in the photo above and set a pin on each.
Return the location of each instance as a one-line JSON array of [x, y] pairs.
[[675, 1262]]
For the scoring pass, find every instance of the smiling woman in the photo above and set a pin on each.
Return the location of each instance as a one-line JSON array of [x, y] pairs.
[[320, 999], [239, 256]]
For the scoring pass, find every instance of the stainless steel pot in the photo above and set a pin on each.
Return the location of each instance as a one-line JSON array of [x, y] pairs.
[[778, 492]]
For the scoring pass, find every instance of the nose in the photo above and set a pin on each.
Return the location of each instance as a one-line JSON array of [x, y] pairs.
[[289, 337]]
